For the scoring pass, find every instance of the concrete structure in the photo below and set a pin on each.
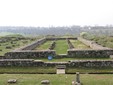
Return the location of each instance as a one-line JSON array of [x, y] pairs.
[[61, 69]]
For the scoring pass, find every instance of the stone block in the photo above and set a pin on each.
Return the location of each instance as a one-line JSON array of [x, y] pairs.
[[12, 81], [111, 56], [77, 77], [45, 82], [73, 83]]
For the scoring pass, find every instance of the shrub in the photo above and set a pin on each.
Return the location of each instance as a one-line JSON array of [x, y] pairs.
[[8, 47], [13, 45]]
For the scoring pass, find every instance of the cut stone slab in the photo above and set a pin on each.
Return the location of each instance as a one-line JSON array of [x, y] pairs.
[[12, 81], [61, 69], [45, 82], [77, 79], [111, 56], [61, 66], [78, 83], [73, 83]]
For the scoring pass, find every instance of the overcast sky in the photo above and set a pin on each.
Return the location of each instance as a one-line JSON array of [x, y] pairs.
[[55, 12]]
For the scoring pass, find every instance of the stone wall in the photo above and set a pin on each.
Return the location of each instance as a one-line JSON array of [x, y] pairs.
[[39, 42], [52, 46], [29, 54], [61, 38], [91, 63], [73, 63], [92, 44], [70, 45], [1, 57], [86, 42], [96, 46], [20, 62], [33, 45], [90, 53]]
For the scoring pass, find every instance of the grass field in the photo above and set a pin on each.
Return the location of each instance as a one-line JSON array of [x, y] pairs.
[[53, 70], [16, 44], [44, 46], [79, 45], [27, 70], [68, 59], [35, 79], [61, 47]]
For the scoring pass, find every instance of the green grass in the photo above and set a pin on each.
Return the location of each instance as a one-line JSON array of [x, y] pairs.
[[105, 41], [35, 79], [27, 70], [68, 59], [49, 69], [79, 45], [61, 47], [89, 70], [44, 46], [14, 45]]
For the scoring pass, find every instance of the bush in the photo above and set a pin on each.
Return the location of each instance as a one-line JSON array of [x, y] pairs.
[[18, 45], [8, 47], [25, 41], [13, 45]]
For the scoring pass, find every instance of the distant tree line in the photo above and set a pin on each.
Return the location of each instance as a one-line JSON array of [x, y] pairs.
[[71, 30]]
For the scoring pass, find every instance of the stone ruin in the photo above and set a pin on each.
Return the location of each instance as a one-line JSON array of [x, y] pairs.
[[45, 82], [77, 77], [61, 69], [97, 51], [69, 64], [27, 52], [77, 81], [70, 45], [33, 45], [12, 81], [24, 55], [90, 53], [52, 46], [92, 44]]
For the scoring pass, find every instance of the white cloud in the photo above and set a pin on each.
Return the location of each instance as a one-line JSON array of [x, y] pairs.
[[55, 12]]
